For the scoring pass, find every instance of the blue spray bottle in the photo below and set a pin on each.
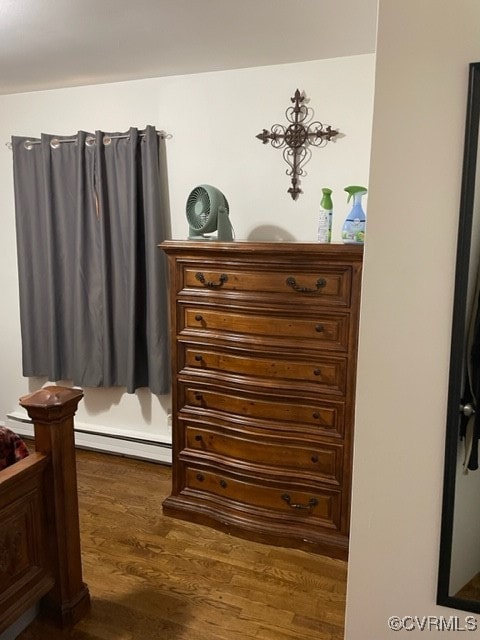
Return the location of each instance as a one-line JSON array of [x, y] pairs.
[[353, 230]]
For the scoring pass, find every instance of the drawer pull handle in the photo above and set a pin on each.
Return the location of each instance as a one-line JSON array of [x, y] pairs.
[[314, 458], [296, 505], [208, 283], [291, 282], [198, 437], [198, 317], [317, 372], [200, 477], [198, 358], [319, 328], [223, 484], [316, 415], [198, 397]]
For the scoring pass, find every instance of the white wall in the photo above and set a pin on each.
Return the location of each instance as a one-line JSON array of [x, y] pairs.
[[213, 119], [422, 57]]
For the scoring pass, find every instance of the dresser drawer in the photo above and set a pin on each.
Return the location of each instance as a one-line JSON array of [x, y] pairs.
[[329, 284], [323, 331], [289, 413], [321, 505], [326, 373], [319, 459]]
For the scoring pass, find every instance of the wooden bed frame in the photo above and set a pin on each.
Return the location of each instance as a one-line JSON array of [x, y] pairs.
[[40, 557]]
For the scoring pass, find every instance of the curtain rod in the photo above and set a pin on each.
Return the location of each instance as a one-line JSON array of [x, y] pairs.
[[89, 140]]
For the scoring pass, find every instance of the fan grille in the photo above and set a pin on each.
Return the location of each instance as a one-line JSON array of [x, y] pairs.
[[198, 208], [202, 208]]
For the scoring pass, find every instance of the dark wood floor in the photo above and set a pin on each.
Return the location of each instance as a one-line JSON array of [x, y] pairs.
[[156, 578], [471, 591]]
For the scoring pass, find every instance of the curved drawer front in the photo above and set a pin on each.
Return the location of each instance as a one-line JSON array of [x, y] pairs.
[[324, 331], [320, 505], [321, 460], [326, 373], [328, 284], [326, 416]]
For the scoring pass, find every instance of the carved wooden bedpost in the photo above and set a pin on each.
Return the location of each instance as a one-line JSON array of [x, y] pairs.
[[51, 410]]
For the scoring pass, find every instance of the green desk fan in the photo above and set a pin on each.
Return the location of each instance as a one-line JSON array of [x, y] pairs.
[[207, 212]]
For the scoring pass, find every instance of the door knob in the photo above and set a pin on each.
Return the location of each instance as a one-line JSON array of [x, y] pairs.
[[467, 409]]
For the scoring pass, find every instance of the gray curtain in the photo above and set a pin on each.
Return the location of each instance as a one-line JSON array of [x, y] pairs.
[[93, 283]]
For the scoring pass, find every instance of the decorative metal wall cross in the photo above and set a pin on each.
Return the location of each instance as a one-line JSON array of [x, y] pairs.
[[296, 138]]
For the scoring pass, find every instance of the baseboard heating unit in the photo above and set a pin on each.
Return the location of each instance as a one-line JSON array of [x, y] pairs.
[[131, 444]]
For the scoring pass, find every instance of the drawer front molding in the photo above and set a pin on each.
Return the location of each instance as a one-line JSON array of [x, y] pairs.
[[321, 331], [320, 460], [283, 412]]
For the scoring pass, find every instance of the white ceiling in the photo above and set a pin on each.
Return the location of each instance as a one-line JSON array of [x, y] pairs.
[[47, 44]]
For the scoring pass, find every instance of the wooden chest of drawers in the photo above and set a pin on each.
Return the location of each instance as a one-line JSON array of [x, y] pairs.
[[264, 346]]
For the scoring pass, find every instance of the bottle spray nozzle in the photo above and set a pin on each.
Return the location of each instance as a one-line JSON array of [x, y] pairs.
[[355, 190]]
